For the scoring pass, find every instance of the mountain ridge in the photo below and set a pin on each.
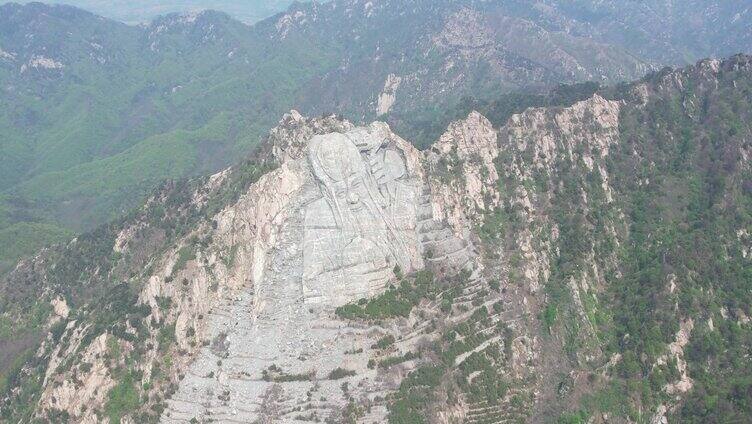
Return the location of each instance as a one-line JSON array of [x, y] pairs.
[[586, 261], [117, 97], [135, 13]]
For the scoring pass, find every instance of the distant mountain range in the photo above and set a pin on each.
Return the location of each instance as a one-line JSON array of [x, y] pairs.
[[94, 113], [143, 11]]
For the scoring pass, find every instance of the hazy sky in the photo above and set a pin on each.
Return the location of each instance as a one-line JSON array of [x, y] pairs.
[[135, 11]]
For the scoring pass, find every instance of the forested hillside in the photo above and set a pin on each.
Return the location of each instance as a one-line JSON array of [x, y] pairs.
[[95, 113], [143, 11]]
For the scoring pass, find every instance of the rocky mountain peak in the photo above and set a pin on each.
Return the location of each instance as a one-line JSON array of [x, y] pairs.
[[345, 271], [202, 26], [345, 214], [289, 138], [586, 254]]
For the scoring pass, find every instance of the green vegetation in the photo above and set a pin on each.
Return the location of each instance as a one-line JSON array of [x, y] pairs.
[[122, 399], [384, 342], [12, 371], [414, 395], [277, 375], [25, 238], [185, 254], [101, 138], [549, 317], [395, 302], [685, 197], [683, 228], [394, 360], [579, 417], [340, 373], [351, 414]]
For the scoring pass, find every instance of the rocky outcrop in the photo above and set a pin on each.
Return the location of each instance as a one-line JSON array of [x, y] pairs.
[[389, 95], [250, 295], [326, 228], [464, 183], [288, 140], [88, 384], [345, 271]]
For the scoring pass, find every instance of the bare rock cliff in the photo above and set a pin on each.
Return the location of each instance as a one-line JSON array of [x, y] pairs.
[[243, 308]]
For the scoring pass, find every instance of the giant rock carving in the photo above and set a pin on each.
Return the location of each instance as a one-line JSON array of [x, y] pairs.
[[363, 224], [352, 220]]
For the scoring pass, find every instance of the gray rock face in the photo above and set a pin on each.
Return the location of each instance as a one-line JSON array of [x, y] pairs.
[[242, 324], [363, 221], [250, 295], [354, 218]]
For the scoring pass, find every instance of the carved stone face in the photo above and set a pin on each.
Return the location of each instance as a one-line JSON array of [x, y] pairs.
[[335, 158], [337, 164], [351, 240]]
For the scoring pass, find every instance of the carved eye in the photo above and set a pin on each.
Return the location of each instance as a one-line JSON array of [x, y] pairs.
[[340, 190], [355, 182]]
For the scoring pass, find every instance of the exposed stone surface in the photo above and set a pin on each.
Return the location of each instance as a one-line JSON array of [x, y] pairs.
[[325, 229], [676, 350], [289, 139], [41, 62], [60, 307], [88, 384], [464, 173], [252, 295], [389, 95]]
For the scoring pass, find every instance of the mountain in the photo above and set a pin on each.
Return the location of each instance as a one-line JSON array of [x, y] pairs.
[[143, 11], [397, 56], [96, 113], [587, 261], [658, 30], [95, 120]]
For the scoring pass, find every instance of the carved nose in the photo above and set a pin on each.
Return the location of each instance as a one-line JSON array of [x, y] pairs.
[[352, 198]]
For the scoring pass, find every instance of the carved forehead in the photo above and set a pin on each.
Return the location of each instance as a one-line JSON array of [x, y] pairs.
[[365, 139], [334, 156]]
